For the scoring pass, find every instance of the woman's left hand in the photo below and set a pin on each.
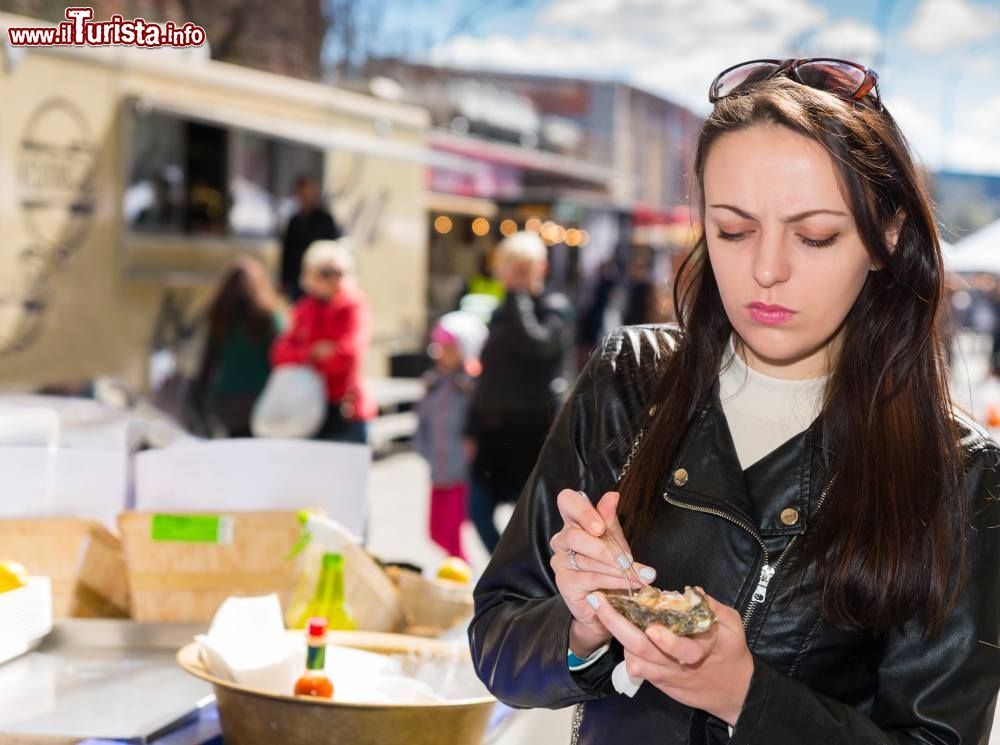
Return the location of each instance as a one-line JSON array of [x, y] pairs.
[[710, 671]]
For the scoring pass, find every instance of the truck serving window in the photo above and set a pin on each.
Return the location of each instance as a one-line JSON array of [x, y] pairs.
[[206, 198], [155, 188], [188, 177], [262, 182]]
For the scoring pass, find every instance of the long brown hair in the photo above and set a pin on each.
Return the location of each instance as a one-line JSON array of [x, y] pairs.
[[887, 540], [236, 305]]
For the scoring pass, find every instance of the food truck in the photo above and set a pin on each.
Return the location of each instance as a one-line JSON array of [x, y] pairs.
[[130, 178]]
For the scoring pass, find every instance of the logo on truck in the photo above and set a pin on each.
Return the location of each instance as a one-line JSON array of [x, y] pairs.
[[55, 164]]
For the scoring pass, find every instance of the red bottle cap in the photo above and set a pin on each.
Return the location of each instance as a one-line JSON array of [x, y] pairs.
[[317, 626]]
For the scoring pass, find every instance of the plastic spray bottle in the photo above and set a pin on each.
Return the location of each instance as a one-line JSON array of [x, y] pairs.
[[320, 589]]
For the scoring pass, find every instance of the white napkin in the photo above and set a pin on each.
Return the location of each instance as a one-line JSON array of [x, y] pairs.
[[247, 644], [369, 678], [623, 682]]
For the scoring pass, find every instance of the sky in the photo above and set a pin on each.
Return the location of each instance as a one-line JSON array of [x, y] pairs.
[[938, 60]]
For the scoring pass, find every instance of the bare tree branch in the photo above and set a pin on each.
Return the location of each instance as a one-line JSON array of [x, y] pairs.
[[358, 33], [468, 20]]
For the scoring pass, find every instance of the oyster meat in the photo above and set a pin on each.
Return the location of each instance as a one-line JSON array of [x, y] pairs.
[[685, 613]]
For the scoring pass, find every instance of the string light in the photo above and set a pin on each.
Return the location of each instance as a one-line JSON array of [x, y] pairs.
[[481, 226], [553, 233], [508, 228], [442, 224]]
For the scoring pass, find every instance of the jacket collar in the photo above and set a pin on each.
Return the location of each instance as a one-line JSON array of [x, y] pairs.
[[774, 495], [348, 294]]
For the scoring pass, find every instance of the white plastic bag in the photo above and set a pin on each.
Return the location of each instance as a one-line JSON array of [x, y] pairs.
[[292, 404]]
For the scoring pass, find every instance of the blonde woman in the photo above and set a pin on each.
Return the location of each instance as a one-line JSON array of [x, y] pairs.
[[331, 330]]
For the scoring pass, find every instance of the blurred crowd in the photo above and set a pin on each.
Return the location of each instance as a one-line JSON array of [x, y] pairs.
[[285, 359], [972, 337]]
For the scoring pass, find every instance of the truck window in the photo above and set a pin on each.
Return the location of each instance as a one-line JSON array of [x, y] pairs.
[[207, 198], [194, 178], [253, 207], [262, 184], [292, 162], [154, 193]]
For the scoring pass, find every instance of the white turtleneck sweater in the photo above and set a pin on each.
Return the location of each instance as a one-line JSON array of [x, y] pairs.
[[764, 412]]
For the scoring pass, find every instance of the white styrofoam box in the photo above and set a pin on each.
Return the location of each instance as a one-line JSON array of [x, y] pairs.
[[25, 617], [64, 457], [257, 474], [64, 422], [64, 482], [36, 426]]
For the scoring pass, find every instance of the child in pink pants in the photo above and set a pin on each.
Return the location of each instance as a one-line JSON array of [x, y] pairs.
[[455, 344]]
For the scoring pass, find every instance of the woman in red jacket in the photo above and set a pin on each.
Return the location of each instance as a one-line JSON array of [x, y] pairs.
[[331, 330]]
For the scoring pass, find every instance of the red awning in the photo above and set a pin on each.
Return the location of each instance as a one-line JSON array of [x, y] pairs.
[[646, 214]]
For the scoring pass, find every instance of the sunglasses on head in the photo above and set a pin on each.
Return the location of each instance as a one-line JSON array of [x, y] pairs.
[[847, 80], [328, 272]]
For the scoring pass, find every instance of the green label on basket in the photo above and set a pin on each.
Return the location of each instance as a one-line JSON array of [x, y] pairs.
[[192, 528]]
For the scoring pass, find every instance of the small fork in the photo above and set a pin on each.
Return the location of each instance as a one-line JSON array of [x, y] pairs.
[[609, 538], [620, 551]]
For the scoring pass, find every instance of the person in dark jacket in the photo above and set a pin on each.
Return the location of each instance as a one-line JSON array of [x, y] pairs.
[[311, 223], [790, 448], [639, 296], [522, 384], [590, 327]]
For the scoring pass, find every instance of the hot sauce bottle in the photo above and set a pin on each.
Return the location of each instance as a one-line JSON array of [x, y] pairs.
[[314, 682]]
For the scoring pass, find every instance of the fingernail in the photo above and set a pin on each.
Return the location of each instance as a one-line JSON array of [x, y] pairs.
[[593, 601], [648, 574], [623, 561], [653, 633], [596, 527]]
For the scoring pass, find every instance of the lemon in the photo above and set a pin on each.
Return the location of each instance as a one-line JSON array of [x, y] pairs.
[[455, 570], [12, 576]]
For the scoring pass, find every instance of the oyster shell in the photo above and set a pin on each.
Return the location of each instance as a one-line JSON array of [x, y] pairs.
[[685, 613]]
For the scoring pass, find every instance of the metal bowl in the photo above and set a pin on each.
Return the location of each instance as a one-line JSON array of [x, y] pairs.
[[250, 717]]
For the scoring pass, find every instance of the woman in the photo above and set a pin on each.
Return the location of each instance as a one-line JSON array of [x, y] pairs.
[[791, 448], [331, 330], [243, 321]]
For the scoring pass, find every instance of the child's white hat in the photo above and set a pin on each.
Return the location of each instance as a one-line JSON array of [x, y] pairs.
[[468, 332]]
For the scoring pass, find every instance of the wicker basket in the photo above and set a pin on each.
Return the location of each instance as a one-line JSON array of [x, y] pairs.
[[431, 606]]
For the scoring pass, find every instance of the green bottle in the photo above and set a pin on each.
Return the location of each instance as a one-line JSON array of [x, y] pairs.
[[328, 601]]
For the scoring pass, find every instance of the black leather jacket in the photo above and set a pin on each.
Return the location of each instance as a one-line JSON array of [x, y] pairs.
[[812, 683]]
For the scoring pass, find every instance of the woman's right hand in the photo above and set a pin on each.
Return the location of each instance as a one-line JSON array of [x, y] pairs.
[[320, 350], [600, 563]]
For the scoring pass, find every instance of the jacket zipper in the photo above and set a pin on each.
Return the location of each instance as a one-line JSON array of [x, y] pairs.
[[768, 570]]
